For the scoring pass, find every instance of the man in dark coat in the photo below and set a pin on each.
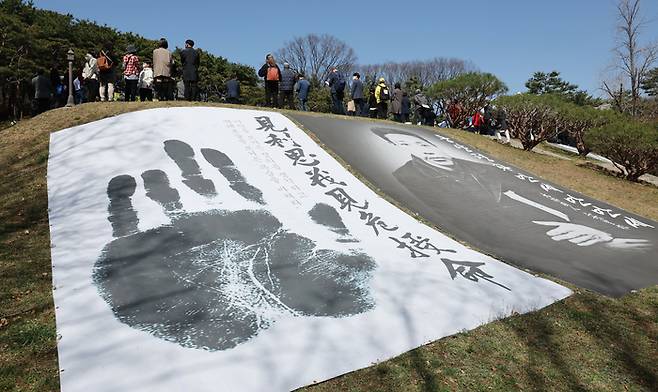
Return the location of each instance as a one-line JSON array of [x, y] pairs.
[[357, 94], [271, 74], [337, 84], [233, 90], [42, 92], [303, 88], [286, 87], [190, 61]]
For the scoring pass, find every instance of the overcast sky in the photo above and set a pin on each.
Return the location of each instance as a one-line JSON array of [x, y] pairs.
[[511, 38]]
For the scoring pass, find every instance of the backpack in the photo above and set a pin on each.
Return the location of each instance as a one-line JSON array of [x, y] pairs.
[[104, 63], [384, 95]]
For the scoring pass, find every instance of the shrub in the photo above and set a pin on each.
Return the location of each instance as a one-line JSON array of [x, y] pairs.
[[472, 90], [630, 145]]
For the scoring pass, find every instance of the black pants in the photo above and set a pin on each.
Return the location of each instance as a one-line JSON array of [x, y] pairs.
[[337, 101], [287, 100], [131, 90], [92, 90], [164, 88], [359, 106], [41, 105], [382, 110], [233, 100], [272, 94], [145, 94], [191, 90]]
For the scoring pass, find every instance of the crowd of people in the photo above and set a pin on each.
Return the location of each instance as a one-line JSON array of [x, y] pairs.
[[101, 74], [377, 100], [146, 80]]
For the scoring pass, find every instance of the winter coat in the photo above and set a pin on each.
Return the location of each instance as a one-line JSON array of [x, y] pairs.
[[421, 100], [42, 87], [303, 88], [406, 104], [233, 88], [162, 62], [146, 78], [396, 101], [262, 72], [190, 61], [287, 82], [357, 89], [90, 70], [334, 82], [378, 91]]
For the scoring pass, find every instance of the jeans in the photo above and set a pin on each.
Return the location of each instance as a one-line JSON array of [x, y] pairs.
[[286, 100], [131, 90], [145, 94], [302, 105], [191, 90], [337, 100]]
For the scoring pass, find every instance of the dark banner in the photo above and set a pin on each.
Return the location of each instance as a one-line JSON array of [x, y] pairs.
[[498, 208]]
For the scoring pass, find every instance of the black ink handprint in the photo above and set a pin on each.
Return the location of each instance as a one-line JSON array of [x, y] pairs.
[[214, 279]]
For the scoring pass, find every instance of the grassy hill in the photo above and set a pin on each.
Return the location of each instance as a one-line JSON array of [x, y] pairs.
[[587, 342]]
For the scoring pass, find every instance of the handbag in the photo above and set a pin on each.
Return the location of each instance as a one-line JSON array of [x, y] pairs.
[[351, 107]]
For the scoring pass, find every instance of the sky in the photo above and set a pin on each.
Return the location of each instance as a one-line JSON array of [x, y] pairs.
[[509, 38]]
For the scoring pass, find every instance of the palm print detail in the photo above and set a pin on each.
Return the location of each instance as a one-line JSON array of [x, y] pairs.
[[214, 279]]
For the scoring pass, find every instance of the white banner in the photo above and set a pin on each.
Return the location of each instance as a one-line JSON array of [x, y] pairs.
[[210, 249]]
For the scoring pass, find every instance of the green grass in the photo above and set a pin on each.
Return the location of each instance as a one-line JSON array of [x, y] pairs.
[[586, 342]]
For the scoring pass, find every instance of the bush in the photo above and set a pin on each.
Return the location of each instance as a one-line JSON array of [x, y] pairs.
[[630, 145], [536, 118], [472, 90]]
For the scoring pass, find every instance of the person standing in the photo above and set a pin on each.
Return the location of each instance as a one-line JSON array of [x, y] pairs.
[[90, 77], [396, 103], [106, 77], [337, 84], [501, 125], [233, 90], [372, 100], [145, 83], [286, 87], [131, 73], [303, 88], [357, 94], [42, 92], [406, 108], [382, 95], [163, 62], [271, 74], [190, 60]]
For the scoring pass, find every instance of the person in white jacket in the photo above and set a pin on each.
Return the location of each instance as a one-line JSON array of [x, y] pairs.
[[90, 77], [145, 83]]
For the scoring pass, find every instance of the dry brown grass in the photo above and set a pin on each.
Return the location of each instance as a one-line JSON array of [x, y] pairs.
[[587, 342]]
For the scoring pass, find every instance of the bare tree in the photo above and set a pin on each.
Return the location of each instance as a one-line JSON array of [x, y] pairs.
[[425, 72], [315, 55], [633, 59]]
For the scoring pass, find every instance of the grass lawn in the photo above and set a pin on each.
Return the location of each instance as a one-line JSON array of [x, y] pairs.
[[587, 342]]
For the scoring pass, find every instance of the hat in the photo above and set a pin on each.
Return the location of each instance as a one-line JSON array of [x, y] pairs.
[[417, 91], [131, 49], [381, 80]]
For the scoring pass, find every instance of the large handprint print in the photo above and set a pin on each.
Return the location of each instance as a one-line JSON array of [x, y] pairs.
[[214, 279]]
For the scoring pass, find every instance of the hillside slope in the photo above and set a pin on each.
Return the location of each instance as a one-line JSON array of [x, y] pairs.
[[587, 342]]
